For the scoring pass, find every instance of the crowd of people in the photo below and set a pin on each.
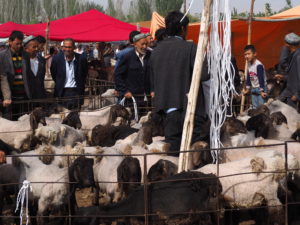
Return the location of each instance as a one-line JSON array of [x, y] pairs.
[[154, 73]]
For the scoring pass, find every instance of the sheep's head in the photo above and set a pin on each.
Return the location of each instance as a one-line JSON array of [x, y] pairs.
[[73, 120], [46, 154], [37, 116], [257, 164], [46, 134]]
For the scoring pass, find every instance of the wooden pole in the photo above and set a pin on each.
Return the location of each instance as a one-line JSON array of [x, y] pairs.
[[246, 63], [194, 89], [46, 47]]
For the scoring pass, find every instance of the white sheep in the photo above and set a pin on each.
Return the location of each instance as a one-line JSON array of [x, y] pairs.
[[15, 133], [105, 170], [44, 181], [251, 190], [293, 117], [60, 135]]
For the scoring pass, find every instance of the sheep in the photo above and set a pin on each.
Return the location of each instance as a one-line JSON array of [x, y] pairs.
[[161, 169], [108, 97], [278, 118], [101, 116], [249, 190], [60, 135], [139, 152], [9, 179], [106, 136], [50, 183], [46, 154], [230, 155], [105, 169], [289, 112], [23, 129], [129, 170]]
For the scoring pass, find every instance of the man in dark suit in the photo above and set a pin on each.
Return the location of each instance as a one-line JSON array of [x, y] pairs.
[[69, 71], [132, 74], [290, 62], [15, 83], [37, 70], [171, 66]]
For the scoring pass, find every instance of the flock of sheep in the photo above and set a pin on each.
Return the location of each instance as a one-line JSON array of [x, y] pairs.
[[129, 169]]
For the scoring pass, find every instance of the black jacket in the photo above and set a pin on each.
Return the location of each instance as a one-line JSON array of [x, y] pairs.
[[171, 66], [37, 82], [131, 76], [58, 73], [293, 74]]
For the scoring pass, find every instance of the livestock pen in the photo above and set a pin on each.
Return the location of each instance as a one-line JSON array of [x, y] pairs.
[[216, 212]]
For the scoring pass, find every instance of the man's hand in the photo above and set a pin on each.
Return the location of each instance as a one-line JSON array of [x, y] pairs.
[[152, 94], [128, 95], [294, 98], [279, 77], [6, 103], [246, 91], [263, 94]]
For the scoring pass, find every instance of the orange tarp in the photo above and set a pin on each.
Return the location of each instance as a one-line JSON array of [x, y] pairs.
[[268, 37]]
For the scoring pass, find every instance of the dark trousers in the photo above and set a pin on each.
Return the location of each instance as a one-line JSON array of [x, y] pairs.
[[174, 125], [71, 99]]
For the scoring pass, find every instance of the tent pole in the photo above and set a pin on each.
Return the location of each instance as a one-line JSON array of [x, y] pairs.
[[46, 47], [194, 89], [184, 6], [246, 64]]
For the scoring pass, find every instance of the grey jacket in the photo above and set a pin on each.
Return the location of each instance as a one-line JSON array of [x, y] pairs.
[[7, 73], [293, 75]]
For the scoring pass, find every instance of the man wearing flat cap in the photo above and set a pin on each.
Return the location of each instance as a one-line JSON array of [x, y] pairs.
[[132, 74], [290, 64], [37, 70], [15, 83]]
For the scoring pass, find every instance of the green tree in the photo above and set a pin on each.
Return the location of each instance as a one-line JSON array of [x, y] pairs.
[[163, 6], [144, 10], [111, 10], [289, 4], [268, 9]]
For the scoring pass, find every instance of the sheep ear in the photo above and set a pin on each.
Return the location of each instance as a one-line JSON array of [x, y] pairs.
[[33, 122]]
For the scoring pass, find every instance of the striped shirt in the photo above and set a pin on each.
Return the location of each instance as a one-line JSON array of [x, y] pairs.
[[18, 89]]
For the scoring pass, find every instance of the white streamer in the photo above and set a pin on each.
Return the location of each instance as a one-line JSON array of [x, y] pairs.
[[220, 69], [187, 12], [136, 115], [23, 193]]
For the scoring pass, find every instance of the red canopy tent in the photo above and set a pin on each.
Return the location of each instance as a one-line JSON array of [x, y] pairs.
[[90, 26]]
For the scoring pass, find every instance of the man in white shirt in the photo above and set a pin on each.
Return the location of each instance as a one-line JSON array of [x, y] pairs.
[[69, 71]]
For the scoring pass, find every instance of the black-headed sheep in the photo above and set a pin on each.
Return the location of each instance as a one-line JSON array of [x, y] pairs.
[[73, 120], [106, 136], [129, 175], [162, 169]]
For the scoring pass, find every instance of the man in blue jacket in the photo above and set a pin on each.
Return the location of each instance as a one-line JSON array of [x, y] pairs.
[[69, 71]]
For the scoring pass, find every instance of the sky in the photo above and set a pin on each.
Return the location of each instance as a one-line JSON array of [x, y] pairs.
[[241, 5]]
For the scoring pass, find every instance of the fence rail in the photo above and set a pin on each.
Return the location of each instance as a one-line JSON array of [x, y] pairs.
[[218, 210]]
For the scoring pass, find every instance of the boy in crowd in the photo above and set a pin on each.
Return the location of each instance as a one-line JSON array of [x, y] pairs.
[[256, 78]]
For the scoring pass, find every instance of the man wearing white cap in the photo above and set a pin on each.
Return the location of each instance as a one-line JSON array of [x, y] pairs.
[[132, 74], [291, 60], [37, 70]]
